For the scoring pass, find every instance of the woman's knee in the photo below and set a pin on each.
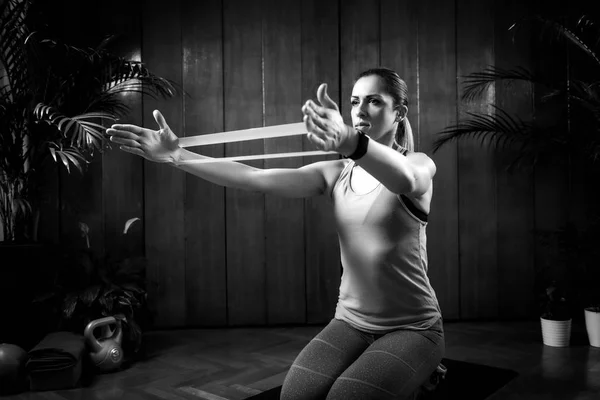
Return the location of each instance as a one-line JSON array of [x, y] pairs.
[[394, 367], [356, 389], [305, 384]]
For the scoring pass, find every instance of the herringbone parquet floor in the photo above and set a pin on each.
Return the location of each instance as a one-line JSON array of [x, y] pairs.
[[212, 364], [236, 364]]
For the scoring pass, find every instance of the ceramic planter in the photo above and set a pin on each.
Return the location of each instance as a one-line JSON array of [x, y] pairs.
[[592, 324], [556, 333]]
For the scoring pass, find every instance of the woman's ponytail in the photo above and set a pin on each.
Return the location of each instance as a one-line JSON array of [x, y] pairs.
[[404, 136]]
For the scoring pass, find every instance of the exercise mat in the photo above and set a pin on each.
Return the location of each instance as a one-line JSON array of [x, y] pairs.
[[463, 380], [56, 362]]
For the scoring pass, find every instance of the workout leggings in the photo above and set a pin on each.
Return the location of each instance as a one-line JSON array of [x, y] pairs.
[[343, 363]]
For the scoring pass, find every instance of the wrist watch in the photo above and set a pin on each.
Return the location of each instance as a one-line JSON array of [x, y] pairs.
[[361, 146]]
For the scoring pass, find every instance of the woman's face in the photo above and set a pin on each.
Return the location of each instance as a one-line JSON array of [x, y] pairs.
[[373, 109]]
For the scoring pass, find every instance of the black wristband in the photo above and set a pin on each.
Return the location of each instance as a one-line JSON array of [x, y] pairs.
[[361, 147]]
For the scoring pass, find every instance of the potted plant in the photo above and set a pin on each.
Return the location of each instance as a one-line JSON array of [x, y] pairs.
[[54, 101], [574, 254], [555, 317], [592, 324], [565, 131], [88, 286], [582, 251], [555, 284], [588, 276], [566, 126]]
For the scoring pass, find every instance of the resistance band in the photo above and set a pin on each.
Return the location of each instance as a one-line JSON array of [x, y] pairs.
[[245, 135]]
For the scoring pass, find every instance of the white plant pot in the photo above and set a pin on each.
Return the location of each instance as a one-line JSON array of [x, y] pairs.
[[556, 333], [592, 324]]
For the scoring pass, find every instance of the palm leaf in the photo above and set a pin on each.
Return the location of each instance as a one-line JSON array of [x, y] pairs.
[[500, 129], [22, 206], [527, 144], [89, 295], [68, 157], [69, 305], [13, 33], [105, 77], [108, 102], [584, 34], [477, 83], [564, 32], [132, 76], [589, 27], [80, 130]]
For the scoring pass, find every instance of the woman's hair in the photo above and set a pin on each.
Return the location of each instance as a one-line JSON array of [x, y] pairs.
[[396, 88]]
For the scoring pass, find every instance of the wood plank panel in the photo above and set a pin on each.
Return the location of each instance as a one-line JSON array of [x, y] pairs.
[[122, 176], [206, 258], [476, 172], [164, 186], [437, 102], [48, 219], [359, 45], [550, 180], [242, 27], [284, 217], [399, 51], [81, 194], [320, 64], [514, 191]]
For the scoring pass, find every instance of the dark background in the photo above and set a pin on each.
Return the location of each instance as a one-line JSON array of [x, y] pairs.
[[224, 257]]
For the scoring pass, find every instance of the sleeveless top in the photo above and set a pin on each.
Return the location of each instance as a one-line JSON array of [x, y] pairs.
[[383, 246]]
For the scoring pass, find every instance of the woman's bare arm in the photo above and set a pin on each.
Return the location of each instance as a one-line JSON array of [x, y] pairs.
[[162, 146], [300, 182]]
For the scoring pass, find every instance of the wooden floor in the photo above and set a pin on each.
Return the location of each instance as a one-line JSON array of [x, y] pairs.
[[217, 364]]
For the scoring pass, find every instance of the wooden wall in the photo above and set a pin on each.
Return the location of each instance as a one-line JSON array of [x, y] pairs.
[[227, 257]]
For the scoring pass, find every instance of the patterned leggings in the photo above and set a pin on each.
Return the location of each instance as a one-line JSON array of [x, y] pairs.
[[343, 363]]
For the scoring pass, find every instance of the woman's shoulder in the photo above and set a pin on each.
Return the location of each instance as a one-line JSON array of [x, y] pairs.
[[422, 160], [331, 170]]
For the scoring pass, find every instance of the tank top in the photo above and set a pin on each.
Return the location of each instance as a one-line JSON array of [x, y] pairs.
[[383, 247]]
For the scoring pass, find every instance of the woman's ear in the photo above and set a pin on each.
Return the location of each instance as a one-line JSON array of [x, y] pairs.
[[401, 113]]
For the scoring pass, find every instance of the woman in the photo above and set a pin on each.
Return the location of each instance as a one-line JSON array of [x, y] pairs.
[[386, 337]]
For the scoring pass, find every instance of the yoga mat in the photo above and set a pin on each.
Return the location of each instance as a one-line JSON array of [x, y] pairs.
[[56, 362], [464, 381]]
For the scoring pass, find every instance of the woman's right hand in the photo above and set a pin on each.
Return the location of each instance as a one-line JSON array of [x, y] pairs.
[[160, 146]]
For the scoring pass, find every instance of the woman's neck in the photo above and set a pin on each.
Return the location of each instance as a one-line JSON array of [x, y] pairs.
[[387, 139]]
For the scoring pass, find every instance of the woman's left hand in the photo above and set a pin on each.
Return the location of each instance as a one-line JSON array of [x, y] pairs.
[[326, 127]]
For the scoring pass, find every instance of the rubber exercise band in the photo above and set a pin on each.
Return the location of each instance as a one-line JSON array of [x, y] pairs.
[[241, 135]]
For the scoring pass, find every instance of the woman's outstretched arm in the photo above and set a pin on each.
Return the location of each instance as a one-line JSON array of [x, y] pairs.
[[162, 146], [410, 175]]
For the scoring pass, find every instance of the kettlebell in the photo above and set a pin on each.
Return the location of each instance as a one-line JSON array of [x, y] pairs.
[[106, 353]]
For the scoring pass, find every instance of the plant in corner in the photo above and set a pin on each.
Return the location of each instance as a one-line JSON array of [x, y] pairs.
[[555, 316], [88, 286], [54, 99], [578, 251], [565, 131]]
